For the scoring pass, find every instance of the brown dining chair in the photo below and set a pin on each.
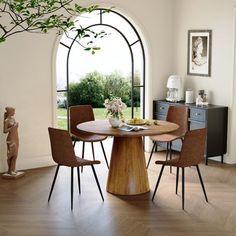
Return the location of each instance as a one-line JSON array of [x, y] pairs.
[[79, 114], [179, 116], [63, 154], [192, 153]]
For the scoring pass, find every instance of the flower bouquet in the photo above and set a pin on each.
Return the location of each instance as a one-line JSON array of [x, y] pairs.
[[114, 108]]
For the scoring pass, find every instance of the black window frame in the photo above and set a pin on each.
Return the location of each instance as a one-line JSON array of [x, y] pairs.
[[130, 45]]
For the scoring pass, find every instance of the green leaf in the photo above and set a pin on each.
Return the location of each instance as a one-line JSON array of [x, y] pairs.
[[86, 36], [90, 42], [2, 39]]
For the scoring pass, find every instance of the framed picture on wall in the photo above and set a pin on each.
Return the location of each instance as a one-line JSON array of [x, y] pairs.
[[199, 52]]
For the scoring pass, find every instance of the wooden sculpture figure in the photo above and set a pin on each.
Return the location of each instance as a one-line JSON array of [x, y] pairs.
[[11, 128]]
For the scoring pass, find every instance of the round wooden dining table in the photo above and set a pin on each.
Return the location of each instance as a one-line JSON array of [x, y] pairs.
[[127, 172]]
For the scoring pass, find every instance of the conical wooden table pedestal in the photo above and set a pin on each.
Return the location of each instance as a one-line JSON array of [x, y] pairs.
[[128, 173]]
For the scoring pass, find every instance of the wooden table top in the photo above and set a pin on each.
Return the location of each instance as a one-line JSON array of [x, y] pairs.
[[103, 127]]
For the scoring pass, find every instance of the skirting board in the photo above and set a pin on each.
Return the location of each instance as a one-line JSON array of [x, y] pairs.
[[31, 163]]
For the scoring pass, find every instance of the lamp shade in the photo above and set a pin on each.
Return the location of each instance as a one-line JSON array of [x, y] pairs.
[[173, 81]]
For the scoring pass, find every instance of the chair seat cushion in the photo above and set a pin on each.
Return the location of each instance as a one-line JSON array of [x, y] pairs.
[[86, 137], [165, 137], [172, 162], [84, 162]]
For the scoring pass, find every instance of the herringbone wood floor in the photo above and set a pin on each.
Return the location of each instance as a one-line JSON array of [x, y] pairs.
[[24, 209]]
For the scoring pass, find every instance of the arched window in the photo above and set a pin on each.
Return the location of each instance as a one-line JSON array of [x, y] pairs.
[[121, 56]]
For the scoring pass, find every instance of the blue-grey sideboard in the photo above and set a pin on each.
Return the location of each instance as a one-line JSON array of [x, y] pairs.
[[212, 117]]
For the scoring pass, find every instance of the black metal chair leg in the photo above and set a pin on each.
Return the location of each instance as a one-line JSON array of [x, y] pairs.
[[93, 151], [156, 148], [96, 178], [167, 150], [74, 143], [83, 148], [170, 151], [154, 145], [183, 188], [72, 187], [104, 154], [53, 182], [200, 177], [158, 181], [78, 175], [177, 180], [222, 158]]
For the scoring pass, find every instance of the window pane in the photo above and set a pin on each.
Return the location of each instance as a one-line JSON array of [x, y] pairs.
[[83, 21], [138, 64], [121, 24], [141, 102], [99, 113], [114, 56], [62, 110], [113, 61], [61, 67], [137, 100]]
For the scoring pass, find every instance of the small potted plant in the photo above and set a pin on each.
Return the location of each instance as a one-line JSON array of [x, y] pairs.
[[114, 108]]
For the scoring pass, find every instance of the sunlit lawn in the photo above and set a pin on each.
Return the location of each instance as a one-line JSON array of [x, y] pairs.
[[100, 114]]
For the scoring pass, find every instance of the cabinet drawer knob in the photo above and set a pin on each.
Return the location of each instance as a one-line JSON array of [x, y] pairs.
[[197, 114], [162, 108]]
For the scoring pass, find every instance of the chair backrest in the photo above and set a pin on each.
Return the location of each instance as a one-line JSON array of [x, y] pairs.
[[178, 115], [193, 148], [79, 114], [61, 147]]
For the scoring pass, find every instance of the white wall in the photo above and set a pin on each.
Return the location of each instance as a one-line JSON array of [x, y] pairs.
[[27, 69], [25, 83], [217, 15]]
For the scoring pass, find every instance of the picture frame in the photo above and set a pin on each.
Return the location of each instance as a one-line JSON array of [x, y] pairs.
[[199, 52]]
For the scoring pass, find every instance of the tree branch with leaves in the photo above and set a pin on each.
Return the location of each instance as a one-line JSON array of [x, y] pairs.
[[41, 16]]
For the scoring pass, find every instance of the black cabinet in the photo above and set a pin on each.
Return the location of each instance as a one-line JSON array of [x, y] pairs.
[[214, 118]]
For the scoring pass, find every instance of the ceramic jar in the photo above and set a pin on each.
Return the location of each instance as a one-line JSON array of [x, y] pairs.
[[114, 122]]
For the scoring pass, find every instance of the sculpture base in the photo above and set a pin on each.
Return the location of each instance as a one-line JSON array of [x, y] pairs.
[[17, 176]]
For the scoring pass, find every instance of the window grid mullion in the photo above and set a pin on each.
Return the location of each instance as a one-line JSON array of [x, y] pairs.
[[132, 64]]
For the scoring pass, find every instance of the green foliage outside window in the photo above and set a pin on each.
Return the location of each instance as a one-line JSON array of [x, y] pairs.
[[90, 90], [117, 86], [95, 87]]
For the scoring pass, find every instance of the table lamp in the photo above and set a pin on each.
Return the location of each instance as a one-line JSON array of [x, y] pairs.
[[174, 86]]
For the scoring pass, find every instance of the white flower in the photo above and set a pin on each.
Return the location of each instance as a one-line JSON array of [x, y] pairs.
[[114, 107]]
